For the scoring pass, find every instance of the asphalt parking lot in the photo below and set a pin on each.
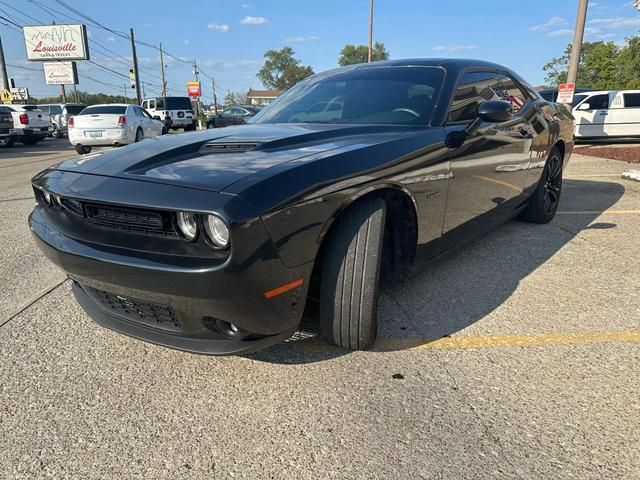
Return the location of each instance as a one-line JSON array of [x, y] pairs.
[[516, 358]]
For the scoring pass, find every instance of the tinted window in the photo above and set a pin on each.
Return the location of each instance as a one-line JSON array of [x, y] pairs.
[[390, 95], [577, 99], [549, 95], [476, 87], [631, 99], [599, 102], [74, 109], [176, 103], [55, 109], [104, 109], [30, 108]]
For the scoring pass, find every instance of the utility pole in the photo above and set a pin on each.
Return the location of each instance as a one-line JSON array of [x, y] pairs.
[[578, 35], [3, 67], [63, 94], [135, 66], [164, 82], [370, 30], [126, 99], [196, 73], [215, 100]]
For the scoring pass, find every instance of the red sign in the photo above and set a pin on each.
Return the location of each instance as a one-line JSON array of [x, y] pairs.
[[193, 89], [565, 93]]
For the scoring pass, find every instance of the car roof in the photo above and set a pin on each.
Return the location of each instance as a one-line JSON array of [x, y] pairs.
[[113, 105]]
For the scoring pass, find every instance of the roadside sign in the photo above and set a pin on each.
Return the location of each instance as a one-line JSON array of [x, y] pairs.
[[20, 95], [6, 97], [193, 89], [60, 73], [56, 42], [565, 93]]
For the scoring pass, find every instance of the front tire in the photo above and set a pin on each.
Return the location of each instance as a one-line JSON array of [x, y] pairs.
[[351, 275], [139, 135], [543, 203], [83, 149], [56, 133]]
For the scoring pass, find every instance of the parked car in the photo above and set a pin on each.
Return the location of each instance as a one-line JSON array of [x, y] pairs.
[[111, 125], [551, 94], [175, 112], [7, 132], [215, 242], [610, 113], [236, 115], [59, 114], [29, 122]]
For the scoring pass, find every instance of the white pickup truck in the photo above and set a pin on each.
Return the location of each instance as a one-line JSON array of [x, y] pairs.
[[29, 122]]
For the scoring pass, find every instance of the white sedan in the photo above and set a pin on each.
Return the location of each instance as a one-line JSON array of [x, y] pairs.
[[112, 125]]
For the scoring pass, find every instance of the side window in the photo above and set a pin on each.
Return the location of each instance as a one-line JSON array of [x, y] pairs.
[[631, 100], [145, 104], [598, 102], [476, 87], [55, 110]]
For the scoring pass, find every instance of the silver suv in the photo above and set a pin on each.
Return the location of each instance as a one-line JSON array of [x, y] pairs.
[[60, 113]]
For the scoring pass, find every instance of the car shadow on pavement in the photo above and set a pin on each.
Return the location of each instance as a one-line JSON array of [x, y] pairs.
[[461, 289]]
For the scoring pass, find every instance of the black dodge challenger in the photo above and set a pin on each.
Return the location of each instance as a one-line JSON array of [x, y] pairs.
[[214, 242]]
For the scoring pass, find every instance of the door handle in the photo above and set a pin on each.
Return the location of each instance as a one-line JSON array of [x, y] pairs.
[[604, 113]]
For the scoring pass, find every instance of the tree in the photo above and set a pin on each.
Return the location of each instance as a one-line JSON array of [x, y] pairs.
[[229, 99], [629, 62], [599, 67], [352, 54], [86, 98], [281, 70]]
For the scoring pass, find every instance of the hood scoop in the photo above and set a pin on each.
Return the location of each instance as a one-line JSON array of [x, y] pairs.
[[227, 147]]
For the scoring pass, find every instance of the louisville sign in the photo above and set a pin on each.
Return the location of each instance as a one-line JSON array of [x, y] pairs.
[[60, 73], [193, 89], [56, 42]]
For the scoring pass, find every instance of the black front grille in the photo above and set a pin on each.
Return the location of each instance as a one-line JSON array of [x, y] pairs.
[[133, 220], [150, 314]]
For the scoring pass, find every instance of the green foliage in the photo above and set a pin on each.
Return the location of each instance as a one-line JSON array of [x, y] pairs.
[[603, 66], [352, 54], [86, 98], [281, 70], [235, 98]]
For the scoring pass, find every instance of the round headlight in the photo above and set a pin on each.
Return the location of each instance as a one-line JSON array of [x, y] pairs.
[[187, 225], [217, 231], [47, 197]]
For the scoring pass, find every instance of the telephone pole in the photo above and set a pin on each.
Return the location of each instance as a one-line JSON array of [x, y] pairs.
[[578, 35], [164, 82], [370, 30], [63, 94], [135, 67], [215, 100], [3, 67]]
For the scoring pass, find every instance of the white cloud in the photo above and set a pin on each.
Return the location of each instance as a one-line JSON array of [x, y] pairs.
[[552, 22], [218, 28], [229, 64], [454, 48], [254, 20], [110, 39], [246, 6], [186, 42], [308, 38], [563, 32], [617, 22]]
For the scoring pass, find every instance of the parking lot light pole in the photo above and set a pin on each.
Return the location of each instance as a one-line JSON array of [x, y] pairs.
[[578, 36]]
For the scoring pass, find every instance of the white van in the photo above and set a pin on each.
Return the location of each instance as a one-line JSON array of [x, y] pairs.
[[175, 112], [607, 113]]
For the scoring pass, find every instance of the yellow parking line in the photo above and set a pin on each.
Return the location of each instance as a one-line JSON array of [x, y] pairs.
[[604, 212], [314, 345]]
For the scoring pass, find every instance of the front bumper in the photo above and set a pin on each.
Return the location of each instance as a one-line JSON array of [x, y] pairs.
[[198, 292]]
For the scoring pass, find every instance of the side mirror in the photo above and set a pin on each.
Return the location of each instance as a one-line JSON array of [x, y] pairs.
[[495, 111], [157, 117], [584, 106]]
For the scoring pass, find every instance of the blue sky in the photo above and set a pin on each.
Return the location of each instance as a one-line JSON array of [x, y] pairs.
[[229, 37]]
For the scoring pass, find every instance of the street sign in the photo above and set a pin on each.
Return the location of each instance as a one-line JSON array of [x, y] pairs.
[[60, 73], [6, 97], [193, 89], [56, 42], [20, 95], [565, 93]]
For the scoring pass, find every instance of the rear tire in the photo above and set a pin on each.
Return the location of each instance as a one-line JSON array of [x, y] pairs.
[[543, 203], [351, 274], [56, 133], [139, 135], [7, 142], [83, 149]]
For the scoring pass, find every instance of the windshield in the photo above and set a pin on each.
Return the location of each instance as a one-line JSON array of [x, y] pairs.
[[74, 109], [382, 95], [105, 109], [173, 103], [30, 108]]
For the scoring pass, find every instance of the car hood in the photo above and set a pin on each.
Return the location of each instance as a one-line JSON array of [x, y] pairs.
[[214, 159]]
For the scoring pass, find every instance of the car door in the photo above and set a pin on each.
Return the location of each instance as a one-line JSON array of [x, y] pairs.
[[489, 161], [624, 115], [227, 117], [155, 126], [145, 123], [591, 115]]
